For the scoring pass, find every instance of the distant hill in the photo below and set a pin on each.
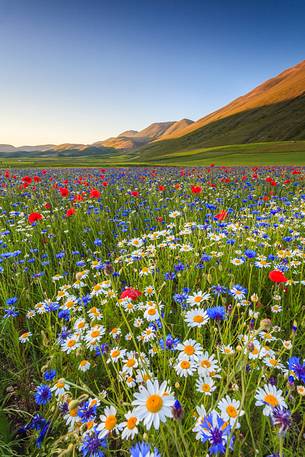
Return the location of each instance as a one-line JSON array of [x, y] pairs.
[[275, 110], [131, 139], [11, 148]]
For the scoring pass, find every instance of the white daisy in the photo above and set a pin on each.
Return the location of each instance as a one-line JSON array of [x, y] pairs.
[[230, 410], [196, 317], [269, 397], [109, 422], [153, 404], [129, 426]]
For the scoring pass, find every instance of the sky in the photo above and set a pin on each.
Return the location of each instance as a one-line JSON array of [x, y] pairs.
[[81, 71]]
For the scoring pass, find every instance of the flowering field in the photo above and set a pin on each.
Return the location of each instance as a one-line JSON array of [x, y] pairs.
[[152, 312]]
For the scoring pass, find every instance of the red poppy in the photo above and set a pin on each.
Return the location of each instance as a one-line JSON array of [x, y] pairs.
[[161, 188], [94, 193], [134, 193], [222, 215], [70, 212], [105, 183], [37, 179], [131, 293], [43, 171], [7, 174], [26, 179], [47, 205], [277, 276], [33, 217], [196, 189], [64, 191], [159, 219]]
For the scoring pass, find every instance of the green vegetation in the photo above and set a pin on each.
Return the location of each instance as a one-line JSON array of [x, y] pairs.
[[267, 153]]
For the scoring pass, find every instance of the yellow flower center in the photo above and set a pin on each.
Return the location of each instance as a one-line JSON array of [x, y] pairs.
[[185, 364], [110, 422], [130, 363], [206, 387], [154, 403], [232, 411], [71, 343], [131, 422], [197, 299], [152, 311], [198, 319], [205, 363], [189, 350], [116, 353], [271, 400], [95, 333], [73, 412]]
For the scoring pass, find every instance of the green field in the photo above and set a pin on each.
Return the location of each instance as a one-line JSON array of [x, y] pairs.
[[267, 153]]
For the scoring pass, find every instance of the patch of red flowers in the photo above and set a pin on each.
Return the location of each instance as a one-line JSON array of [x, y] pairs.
[[64, 191], [196, 189], [33, 217], [277, 276], [222, 215], [131, 293], [70, 212], [94, 193]]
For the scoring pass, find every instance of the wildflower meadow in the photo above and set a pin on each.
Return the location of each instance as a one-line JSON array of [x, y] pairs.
[[152, 312]]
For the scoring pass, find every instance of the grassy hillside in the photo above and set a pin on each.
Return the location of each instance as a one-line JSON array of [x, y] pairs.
[[277, 122], [270, 153]]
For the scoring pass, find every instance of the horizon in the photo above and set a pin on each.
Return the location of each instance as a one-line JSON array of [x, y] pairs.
[[80, 73]]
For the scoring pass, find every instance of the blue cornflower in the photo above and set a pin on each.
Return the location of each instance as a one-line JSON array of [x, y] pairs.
[[218, 313], [49, 375], [98, 242], [143, 450], [86, 411], [10, 312], [179, 267], [64, 314], [177, 410], [250, 253], [92, 445], [170, 342], [281, 418], [40, 424], [170, 276], [181, 298], [42, 394], [215, 430], [295, 365], [218, 290], [11, 301], [238, 292]]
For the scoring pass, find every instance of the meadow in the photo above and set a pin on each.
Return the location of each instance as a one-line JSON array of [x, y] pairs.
[[152, 312]]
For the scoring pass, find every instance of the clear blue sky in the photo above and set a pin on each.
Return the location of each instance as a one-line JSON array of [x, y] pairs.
[[81, 71]]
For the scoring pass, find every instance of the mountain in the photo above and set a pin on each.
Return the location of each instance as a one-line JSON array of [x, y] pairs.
[[176, 127], [11, 148], [275, 110], [131, 139]]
